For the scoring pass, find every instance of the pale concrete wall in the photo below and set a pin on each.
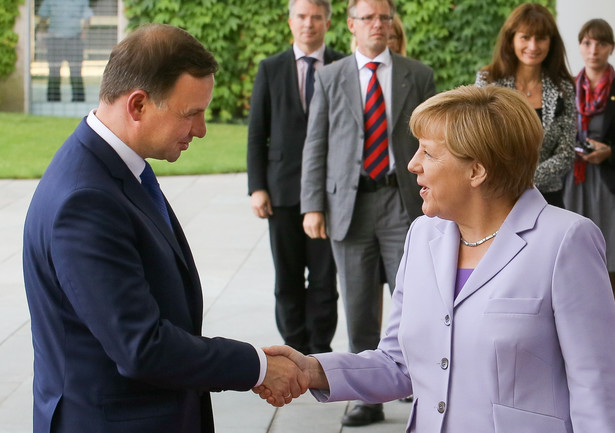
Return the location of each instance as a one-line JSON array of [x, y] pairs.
[[12, 91], [571, 15]]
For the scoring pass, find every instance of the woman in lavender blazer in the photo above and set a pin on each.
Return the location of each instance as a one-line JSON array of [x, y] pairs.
[[502, 318]]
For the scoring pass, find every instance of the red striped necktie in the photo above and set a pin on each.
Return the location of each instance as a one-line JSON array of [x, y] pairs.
[[375, 151]]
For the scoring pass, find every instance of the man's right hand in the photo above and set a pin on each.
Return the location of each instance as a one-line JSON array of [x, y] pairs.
[[314, 225], [261, 204]]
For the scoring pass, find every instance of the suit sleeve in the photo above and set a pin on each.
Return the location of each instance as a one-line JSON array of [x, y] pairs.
[[372, 375], [315, 151], [108, 277], [259, 132], [584, 312]]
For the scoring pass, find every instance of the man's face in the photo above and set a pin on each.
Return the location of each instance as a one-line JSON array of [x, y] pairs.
[[165, 131], [371, 32], [308, 24]]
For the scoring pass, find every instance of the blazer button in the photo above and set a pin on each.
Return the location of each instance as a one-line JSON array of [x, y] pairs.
[[441, 407], [444, 364], [447, 320]]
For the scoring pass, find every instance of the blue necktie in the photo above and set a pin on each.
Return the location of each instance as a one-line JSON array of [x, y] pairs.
[[309, 80], [149, 181]]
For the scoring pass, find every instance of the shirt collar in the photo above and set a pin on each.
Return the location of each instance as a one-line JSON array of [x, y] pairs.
[[135, 163], [384, 58], [319, 54]]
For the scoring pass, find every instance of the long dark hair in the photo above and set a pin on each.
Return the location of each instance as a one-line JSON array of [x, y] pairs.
[[536, 20]]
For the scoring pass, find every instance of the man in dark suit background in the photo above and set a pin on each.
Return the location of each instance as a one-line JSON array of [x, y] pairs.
[[113, 291], [355, 186], [306, 317]]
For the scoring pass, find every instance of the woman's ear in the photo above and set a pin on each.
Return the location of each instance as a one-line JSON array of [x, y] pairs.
[[478, 175]]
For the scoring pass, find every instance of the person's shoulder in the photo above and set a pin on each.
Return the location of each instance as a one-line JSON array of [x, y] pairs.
[[482, 78], [333, 55], [334, 68], [278, 58], [410, 63]]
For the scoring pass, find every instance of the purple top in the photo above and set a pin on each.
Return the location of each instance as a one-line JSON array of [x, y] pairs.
[[462, 276]]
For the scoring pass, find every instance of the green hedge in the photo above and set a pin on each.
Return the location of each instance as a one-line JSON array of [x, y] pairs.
[[456, 39], [9, 9]]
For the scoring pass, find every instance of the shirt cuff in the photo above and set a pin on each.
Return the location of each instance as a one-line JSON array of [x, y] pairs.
[[263, 362]]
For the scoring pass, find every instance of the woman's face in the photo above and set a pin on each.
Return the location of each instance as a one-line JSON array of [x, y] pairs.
[[394, 42], [530, 50], [444, 179], [595, 53]]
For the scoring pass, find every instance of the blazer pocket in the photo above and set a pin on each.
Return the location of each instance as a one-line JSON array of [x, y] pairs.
[[275, 155], [510, 420], [139, 406], [513, 306]]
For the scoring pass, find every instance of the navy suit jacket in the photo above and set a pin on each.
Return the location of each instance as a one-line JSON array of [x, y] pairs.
[[116, 305], [278, 125]]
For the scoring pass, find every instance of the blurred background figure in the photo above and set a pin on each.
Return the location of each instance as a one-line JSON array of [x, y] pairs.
[[305, 277], [590, 189], [65, 21], [530, 56], [397, 38]]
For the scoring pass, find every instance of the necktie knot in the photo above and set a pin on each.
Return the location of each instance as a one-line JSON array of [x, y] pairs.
[[150, 183], [309, 60], [372, 66]]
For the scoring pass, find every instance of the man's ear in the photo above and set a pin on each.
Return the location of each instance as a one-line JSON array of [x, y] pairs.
[[136, 104], [478, 175]]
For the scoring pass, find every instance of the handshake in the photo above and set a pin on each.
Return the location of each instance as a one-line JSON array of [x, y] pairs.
[[289, 374]]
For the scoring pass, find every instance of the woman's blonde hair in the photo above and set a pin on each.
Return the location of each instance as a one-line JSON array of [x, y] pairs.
[[493, 125]]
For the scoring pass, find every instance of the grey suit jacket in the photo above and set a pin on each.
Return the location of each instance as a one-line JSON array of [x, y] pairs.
[[333, 151]]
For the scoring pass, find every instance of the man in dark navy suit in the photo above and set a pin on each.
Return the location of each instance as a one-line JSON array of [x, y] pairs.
[[306, 314], [113, 291]]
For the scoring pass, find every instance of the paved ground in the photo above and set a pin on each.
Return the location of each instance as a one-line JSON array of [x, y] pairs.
[[231, 248]]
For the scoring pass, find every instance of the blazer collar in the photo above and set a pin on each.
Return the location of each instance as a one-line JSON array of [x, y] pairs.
[[351, 88], [129, 184], [349, 82], [504, 248], [400, 86]]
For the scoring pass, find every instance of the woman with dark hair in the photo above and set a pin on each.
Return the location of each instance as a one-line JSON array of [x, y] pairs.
[[530, 56], [590, 189]]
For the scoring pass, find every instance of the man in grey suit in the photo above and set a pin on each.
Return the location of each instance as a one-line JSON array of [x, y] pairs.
[[306, 314], [355, 187]]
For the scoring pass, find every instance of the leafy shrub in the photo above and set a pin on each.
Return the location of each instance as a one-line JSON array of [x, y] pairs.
[[455, 39], [9, 9]]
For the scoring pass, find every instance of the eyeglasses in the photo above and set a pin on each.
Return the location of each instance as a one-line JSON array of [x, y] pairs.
[[370, 19]]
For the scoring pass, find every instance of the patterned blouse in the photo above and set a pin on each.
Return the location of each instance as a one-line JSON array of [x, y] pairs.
[[558, 121]]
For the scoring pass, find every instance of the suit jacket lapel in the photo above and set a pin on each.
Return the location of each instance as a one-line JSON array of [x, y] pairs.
[[609, 113], [129, 184], [507, 243], [351, 89], [443, 251], [289, 72], [400, 88]]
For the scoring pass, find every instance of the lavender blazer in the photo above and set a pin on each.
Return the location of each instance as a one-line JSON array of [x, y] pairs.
[[527, 346]]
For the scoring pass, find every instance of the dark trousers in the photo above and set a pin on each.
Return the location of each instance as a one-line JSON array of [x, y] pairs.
[[71, 50], [306, 314]]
